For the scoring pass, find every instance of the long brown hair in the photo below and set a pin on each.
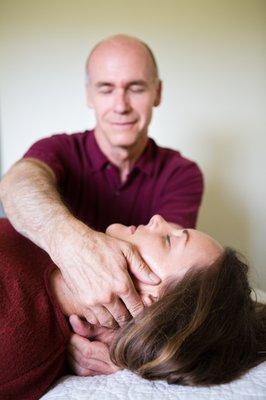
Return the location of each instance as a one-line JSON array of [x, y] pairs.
[[203, 330]]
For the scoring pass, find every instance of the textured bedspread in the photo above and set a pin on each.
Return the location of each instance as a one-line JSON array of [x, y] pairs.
[[124, 385]]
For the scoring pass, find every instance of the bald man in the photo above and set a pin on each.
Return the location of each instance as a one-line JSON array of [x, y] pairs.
[[68, 188]]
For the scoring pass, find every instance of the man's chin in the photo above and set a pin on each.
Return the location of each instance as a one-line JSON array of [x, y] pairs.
[[123, 139]]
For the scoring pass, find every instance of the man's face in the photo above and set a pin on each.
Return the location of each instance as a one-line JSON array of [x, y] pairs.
[[122, 90]]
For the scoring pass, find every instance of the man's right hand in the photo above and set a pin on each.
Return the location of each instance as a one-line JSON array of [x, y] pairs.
[[96, 269], [95, 266]]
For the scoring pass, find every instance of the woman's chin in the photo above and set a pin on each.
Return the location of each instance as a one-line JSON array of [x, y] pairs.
[[109, 229], [118, 231]]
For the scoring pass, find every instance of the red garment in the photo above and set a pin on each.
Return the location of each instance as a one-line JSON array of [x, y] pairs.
[[161, 182], [33, 331]]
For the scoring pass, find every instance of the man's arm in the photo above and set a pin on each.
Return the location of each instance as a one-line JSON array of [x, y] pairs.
[[31, 200], [94, 265]]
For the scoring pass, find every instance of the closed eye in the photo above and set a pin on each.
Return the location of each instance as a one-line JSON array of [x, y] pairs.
[[137, 88], [168, 240]]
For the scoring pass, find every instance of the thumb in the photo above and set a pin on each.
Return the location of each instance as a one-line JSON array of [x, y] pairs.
[[140, 269], [82, 328]]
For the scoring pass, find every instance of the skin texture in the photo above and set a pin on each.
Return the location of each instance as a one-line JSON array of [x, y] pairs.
[[122, 88], [94, 265], [168, 250], [171, 251]]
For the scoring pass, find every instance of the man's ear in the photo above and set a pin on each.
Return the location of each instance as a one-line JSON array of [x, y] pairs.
[[89, 96], [158, 97]]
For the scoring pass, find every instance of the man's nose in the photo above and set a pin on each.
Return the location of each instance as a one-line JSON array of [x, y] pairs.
[[121, 102]]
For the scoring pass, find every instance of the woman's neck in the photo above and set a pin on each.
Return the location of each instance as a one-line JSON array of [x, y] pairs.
[[63, 294]]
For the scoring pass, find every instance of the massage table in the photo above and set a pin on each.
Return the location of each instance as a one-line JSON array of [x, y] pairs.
[[124, 385]]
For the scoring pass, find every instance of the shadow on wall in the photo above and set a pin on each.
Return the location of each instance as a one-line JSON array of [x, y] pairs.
[[224, 213]]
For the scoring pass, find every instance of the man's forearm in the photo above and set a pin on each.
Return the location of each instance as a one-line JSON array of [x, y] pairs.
[[31, 201]]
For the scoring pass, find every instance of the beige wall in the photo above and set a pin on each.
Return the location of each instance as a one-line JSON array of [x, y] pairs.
[[212, 61]]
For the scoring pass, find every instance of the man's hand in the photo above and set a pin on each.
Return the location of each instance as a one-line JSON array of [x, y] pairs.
[[96, 269], [87, 357], [95, 266]]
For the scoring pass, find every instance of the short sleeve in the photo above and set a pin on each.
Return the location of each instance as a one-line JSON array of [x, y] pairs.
[[53, 151], [181, 196]]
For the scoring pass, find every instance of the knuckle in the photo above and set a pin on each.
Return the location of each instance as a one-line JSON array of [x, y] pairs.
[[136, 308], [91, 318], [93, 302], [124, 289], [108, 323], [121, 319], [108, 298], [86, 353]]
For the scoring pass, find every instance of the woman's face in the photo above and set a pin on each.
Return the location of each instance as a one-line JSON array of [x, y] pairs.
[[169, 251]]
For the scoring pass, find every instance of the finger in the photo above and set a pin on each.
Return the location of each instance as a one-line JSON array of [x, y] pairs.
[[79, 347], [81, 327], [79, 342], [104, 317], [87, 348], [93, 365], [79, 369], [87, 330], [119, 311], [90, 316], [75, 354], [94, 368], [102, 367], [88, 352], [139, 268], [132, 301]]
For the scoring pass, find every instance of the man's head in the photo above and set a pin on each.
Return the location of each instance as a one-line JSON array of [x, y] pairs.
[[122, 87]]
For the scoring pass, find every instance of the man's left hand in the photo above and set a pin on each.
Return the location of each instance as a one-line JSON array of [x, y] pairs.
[[88, 350]]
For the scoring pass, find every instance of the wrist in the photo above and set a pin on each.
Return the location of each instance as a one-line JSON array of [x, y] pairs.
[[66, 233], [58, 227]]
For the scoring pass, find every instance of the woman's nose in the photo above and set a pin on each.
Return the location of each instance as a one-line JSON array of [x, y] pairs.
[[156, 220]]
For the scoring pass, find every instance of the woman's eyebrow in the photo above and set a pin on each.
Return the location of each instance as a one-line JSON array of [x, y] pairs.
[[184, 231]]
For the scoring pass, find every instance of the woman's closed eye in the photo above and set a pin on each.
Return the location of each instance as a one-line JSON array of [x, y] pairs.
[[168, 240]]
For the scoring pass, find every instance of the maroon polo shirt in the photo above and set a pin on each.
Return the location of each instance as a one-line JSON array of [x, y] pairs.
[[161, 182]]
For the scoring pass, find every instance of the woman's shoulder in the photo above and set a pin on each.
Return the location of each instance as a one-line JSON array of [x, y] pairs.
[[9, 237], [20, 252]]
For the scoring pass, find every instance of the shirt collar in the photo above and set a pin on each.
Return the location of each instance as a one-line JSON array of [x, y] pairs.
[[145, 163], [97, 157]]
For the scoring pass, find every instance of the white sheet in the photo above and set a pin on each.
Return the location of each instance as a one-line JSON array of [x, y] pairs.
[[125, 385]]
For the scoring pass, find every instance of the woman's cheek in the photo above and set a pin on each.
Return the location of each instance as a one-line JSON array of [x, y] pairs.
[[154, 260]]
